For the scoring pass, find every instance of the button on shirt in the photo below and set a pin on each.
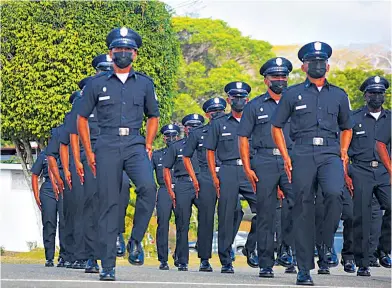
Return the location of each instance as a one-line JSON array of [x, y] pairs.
[[222, 137], [383, 132], [313, 113], [174, 159], [40, 168], [362, 146], [255, 123], [119, 105]]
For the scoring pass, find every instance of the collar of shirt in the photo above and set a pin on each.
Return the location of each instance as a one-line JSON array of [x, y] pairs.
[[230, 116], [309, 84], [367, 113], [130, 74]]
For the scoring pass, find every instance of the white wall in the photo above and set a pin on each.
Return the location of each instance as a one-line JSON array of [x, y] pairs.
[[20, 219]]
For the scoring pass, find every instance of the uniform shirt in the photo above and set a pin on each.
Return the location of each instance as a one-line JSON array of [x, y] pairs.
[[383, 132], [195, 142], [255, 123], [157, 164], [362, 146], [119, 105], [53, 148], [40, 168], [313, 113], [223, 138], [174, 159]]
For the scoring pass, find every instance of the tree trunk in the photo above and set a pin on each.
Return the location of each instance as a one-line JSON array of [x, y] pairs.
[[29, 152]]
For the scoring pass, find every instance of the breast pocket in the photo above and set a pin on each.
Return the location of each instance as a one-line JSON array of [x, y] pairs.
[[302, 116], [360, 137], [332, 117], [138, 103], [263, 124], [226, 141], [105, 105]]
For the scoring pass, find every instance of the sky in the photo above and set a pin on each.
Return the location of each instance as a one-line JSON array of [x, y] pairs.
[[338, 23]]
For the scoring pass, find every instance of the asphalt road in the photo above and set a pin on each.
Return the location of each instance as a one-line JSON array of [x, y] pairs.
[[34, 275]]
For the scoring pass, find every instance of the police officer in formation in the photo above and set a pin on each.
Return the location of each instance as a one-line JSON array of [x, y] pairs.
[[164, 204], [367, 176], [317, 110], [184, 194], [222, 139], [267, 165]]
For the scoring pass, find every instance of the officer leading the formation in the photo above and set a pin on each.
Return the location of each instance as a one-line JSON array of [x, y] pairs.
[[318, 110], [122, 97], [267, 165], [368, 176]]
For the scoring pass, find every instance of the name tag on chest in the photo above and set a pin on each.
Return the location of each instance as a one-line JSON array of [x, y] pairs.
[[360, 132], [300, 107], [262, 116], [159, 165], [226, 134], [103, 98]]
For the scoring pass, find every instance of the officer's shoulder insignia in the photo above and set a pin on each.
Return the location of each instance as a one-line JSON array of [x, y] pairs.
[[293, 87], [144, 75], [358, 110], [337, 87]]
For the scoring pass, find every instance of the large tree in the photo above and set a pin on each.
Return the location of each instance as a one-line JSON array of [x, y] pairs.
[[48, 46]]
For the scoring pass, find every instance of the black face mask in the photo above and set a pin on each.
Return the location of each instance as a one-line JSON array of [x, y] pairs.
[[122, 59], [317, 69], [216, 114], [238, 103], [375, 100], [277, 86]]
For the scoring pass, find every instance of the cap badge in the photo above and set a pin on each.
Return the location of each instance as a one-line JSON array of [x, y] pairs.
[[317, 46], [377, 79], [238, 85], [279, 61], [170, 126], [216, 100], [104, 89], [195, 116], [124, 31]]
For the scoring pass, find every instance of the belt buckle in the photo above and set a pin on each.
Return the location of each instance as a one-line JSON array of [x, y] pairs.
[[239, 162], [123, 131], [317, 141], [374, 164], [276, 152]]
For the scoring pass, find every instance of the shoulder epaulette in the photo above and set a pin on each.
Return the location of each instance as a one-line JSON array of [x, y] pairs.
[[357, 110], [144, 75]]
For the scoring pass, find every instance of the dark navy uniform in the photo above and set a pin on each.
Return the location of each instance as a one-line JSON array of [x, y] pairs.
[[68, 200], [50, 209], [269, 167], [222, 138], [317, 114], [120, 110], [164, 204], [369, 175]]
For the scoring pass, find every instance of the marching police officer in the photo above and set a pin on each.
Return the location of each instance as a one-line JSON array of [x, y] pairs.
[[267, 164], [184, 194], [318, 110], [367, 175], [232, 180], [121, 97], [164, 203], [50, 205], [383, 137], [203, 183]]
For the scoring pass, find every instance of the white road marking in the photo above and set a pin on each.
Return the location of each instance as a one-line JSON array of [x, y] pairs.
[[163, 283]]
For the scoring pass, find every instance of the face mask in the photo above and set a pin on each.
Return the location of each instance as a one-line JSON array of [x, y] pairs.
[[122, 59], [277, 86], [317, 69], [375, 101], [238, 104], [216, 114]]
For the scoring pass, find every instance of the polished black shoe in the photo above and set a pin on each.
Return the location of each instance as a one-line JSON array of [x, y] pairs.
[[285, 257], [182, 267], [232, 255], [323, 268], [383, 258], [304, 278], [251, 258], [374, 263], [290, 270], [49, 263], [175, 259], [330, 257], [228, 269], [107, 274], [164, 266], [266, 272], [61, 262], [79, 264], [349, 265], [363, 271], [68, 264], [136, 253], [205, 266], [120, 245], [91, 266]]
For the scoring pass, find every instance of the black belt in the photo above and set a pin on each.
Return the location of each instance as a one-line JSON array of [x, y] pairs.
[[184, 178], [234, 162], [373, 164], [122, 131], [316, 141], [269, 151]]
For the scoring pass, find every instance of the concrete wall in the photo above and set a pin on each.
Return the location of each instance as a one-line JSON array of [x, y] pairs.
[[20, 219]]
